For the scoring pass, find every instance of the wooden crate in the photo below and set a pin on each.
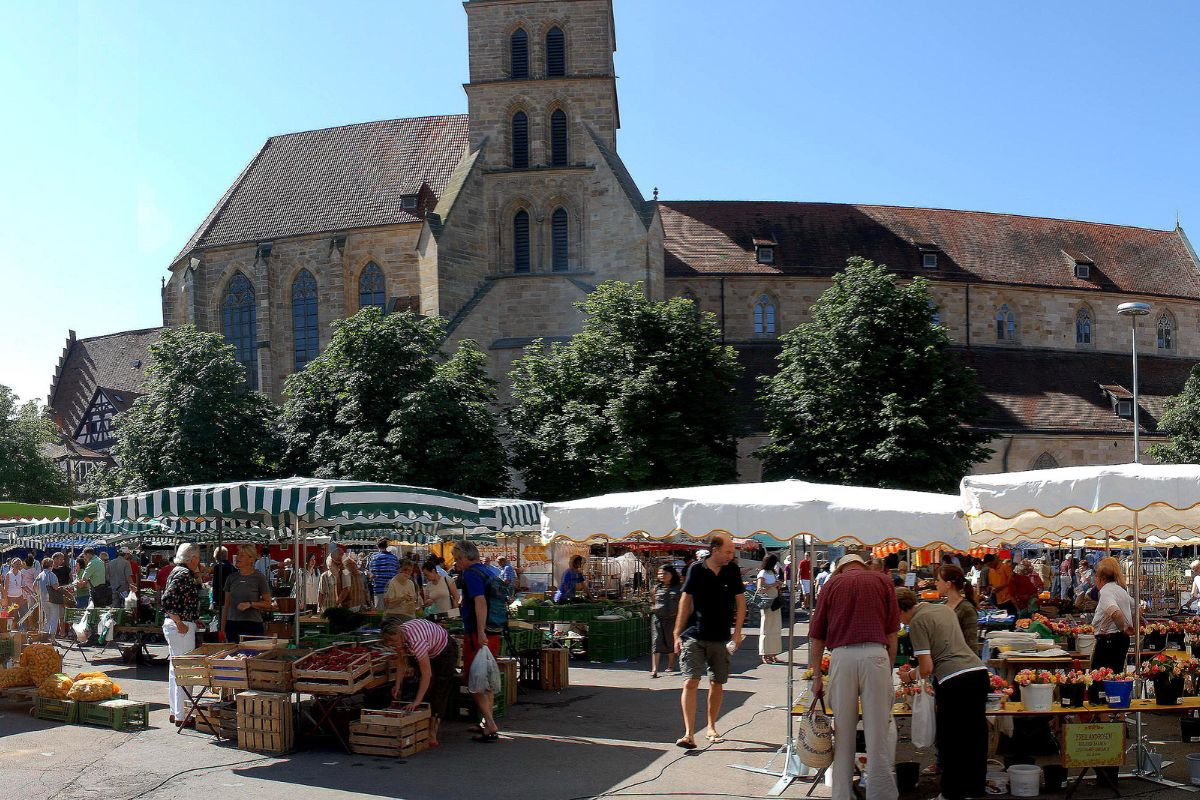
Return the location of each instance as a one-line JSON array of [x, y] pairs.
[[219, 719], [272, 671], [265, 722], [389, 733], [229, 670], [193, 669], [320, 681], [555, 669], [509, 668]]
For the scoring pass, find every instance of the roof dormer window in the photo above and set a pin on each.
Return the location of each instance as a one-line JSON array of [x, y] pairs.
[[929, 260], [764, 251], [1120, 398], [1083, 270], [408, 201]]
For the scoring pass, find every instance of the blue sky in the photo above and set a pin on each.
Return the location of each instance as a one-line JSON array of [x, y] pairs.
[[126, 121]]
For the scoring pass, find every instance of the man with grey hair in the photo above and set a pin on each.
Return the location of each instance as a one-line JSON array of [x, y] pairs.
[[94, 580], [474, 580], [1195, 593]]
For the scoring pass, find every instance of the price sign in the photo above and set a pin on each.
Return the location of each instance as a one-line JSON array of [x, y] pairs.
[[1094, 744]]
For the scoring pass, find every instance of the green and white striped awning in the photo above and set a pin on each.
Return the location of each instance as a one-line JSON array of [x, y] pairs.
[[502, 514], [38, 533], [308, 502]]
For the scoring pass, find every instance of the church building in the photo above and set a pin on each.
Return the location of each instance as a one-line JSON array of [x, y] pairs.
[[502, 219]]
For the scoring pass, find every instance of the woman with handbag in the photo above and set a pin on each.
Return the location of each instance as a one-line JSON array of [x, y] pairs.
[[662, 622], [766, 589]]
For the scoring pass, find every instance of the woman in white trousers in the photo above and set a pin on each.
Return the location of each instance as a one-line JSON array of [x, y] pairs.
[[181, 605]]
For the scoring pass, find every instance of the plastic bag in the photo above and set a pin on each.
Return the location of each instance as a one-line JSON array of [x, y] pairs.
[[485, 673], [107, 622], [924, 723], [83, 631]]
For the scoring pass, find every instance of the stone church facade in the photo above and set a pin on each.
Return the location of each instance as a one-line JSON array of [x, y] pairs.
[[501, 219]]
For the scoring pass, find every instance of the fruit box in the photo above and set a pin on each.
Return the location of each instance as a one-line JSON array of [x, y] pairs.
[[391, 733], [333, 670], [272, 671], [193, 669], [229, 670]]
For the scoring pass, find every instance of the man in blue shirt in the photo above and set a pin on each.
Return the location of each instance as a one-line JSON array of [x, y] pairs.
[[508, 574], [382, 567]]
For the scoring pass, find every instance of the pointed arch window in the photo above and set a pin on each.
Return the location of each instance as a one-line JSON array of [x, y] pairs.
[[239, 325], [935, 314], [560, 240], [764, 317], [1083, 326], [521, 241], [1166, 332], [556, 53], [520, 140], [304, 319], [372, 288], [1045, 461], [558, 138], [1006, 324], [518, 48]]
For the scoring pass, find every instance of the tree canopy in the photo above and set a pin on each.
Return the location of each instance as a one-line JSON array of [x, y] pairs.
[[26, 471], [868, 392], [641, 398], [383, 403], [1180, 421], [196, 422]]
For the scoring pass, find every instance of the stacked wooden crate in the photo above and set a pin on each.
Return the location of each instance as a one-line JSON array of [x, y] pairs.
[[313, 676], [265, 722], [555, 669], [272, 672], [397, 734], [217, 718], [193, 669], [229, 670]]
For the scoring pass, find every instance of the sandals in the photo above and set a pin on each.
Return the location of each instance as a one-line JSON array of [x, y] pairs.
[[486, 738], [685, 743], [714, 738], [653, 674]]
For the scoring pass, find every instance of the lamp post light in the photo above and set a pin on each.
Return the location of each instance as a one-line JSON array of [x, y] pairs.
[[1133, 311]]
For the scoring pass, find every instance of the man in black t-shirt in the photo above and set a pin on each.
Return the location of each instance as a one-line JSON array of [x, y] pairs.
[[712, 608]]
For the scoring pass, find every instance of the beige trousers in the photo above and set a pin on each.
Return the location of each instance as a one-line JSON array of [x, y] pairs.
[[861, 673]]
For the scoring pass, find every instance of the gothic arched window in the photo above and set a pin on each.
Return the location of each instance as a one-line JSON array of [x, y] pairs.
[[520, 140], [764, 317], [1045, 461], [304, 319], [1166, 332], [1006, 324], [560, 240], [1083, 326], [558, 138], [518, 48], [521, 241], [239, 325], [372, 288], [935, 314], [556, 53]]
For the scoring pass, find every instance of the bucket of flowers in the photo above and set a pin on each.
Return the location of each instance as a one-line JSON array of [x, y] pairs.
[[1167, 674], [1037, 688], [1073, 687], [1192, 629], [1118, 689], [1174, 634], [1095, 693], [1154, 636], [998, 693]]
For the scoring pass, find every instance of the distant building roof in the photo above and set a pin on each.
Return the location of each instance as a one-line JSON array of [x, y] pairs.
[[717, 237], [116, 362], [69, 448], [334, 179]]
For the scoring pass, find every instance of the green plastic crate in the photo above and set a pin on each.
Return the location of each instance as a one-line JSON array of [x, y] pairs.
[[117, 714], [55, 710]]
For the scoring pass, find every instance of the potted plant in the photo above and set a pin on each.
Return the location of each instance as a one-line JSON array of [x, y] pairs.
[[1095, 693], [1154, 636], [1167, 674], [1037, 688], [1073, 687], [1175, 634]]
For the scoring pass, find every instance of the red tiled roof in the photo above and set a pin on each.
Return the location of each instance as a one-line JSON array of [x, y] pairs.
[[1027, 390], [334, 179], [707, 237], [116, 362]]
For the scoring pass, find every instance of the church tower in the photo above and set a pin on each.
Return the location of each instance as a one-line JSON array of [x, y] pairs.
[[541, 208]]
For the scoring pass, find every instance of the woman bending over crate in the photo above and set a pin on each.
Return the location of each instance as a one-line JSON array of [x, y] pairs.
[[436, 655]]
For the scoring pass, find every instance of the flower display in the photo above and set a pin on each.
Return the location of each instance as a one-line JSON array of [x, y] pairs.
[[1075, 677], [1151, 628], [1165, 666], [1000, 686], [1082, 629], [1027, 677], [807, 674]]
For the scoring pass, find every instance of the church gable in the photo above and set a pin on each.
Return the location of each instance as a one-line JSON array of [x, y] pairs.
[[95, 429]]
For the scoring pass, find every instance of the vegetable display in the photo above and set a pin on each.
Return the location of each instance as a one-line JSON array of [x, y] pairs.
[[42, 661], [92, 687], [56, 687]]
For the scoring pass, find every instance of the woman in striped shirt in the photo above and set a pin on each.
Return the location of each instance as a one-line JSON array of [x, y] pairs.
[[436, 655]]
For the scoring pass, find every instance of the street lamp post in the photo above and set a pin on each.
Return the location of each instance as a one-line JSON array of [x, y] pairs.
[[1133, 311]]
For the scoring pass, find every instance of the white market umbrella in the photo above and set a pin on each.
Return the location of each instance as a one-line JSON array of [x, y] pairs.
[[784, 511]]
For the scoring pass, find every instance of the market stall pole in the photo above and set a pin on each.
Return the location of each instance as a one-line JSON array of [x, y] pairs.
[[783, 511], [1059, 504]]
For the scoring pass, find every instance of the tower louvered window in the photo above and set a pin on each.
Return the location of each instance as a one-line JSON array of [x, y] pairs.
[[556, 53], [519, 54], [520, 140], [560, 236], [558, 138], [239, 325], [304, 319], [521, 242]]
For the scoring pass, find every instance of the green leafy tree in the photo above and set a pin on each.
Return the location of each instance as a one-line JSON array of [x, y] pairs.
[[868, 393], [26, 471], [196, 423], [1180, 420], [383, 403], [641, 398]]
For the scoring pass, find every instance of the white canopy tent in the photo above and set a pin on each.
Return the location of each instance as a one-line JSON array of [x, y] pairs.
[[784, 511]]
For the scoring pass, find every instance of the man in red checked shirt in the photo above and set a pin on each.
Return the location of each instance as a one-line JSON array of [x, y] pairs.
[[857, 618]]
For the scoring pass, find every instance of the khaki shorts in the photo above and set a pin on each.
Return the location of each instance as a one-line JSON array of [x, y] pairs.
[[696, 655]]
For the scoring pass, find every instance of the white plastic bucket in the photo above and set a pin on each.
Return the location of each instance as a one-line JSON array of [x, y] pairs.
[[1194, 768], [1085, 643], [1037, 696], [1025, 779], [997, 782]]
